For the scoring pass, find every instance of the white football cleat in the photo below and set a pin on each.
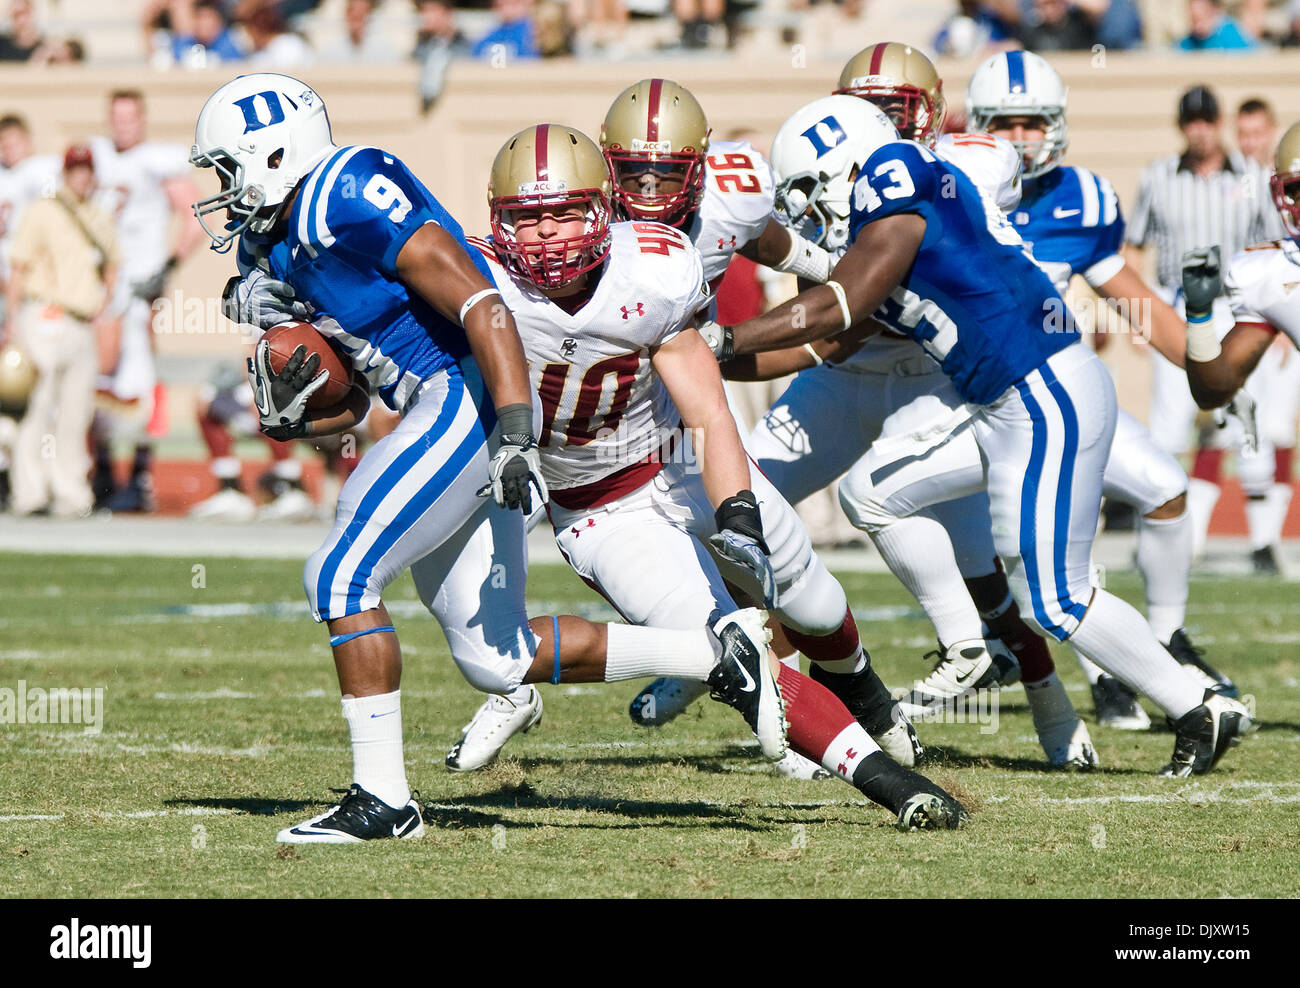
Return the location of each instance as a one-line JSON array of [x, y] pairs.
[[796, 766], [1062, 734], [743, 678], [494, 723], [964, 668], [293, 505], [900, 742], [663, 700], [228, 504]]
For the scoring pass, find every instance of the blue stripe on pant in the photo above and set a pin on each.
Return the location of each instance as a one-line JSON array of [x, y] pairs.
[[409, 514], [1029, 541]]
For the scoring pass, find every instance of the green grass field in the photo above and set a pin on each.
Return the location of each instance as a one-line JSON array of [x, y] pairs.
[[222, 725]]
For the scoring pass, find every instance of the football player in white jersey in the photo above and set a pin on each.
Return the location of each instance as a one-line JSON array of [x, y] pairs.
[[144, 184], [1071, 220], [23, 177], [1261, 284], [630, 397], [655, 138]]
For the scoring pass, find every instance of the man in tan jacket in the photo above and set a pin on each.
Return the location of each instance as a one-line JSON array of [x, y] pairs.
[[62, 258]]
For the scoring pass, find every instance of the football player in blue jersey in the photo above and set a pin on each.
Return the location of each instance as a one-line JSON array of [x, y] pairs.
[[934, 259], [1070, 218], [349, 237]]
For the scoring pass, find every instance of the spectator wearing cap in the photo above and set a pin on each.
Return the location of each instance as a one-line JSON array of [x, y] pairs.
[[62, 263], [1213, 30], [1204, 195]]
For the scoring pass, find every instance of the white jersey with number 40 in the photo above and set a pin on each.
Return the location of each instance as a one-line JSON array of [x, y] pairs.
[[606, 415], [1263, 287]]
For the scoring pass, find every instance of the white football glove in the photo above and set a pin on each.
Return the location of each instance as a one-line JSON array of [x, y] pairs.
[[719, 340], [740, 540], [1241, 408], [517, 463], [282, 398], [257, 299]]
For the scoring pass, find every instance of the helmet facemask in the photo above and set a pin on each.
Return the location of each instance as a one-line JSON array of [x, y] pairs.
[[660, 186], [802, 204], [1037, 157], [243, 205], [558, 261], [1286, 197], [912, 110]]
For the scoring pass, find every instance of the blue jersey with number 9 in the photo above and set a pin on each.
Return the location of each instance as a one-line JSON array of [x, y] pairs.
[[974, 298], [353, 214]]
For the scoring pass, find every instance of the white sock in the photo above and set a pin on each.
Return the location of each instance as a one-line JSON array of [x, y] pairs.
[[918, 551], [633, 652], [290, 469], [1090, 669], [375, 723], [1164, 557], [224, 467], [1114, 636], [1266, 515], [1048, 703], [1202, 496]]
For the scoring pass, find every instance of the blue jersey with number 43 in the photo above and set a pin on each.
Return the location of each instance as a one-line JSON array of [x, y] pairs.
[[353, 214], [973, 298]]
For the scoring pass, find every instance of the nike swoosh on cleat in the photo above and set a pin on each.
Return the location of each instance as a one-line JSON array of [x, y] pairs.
[[748, 678], [401, 831]]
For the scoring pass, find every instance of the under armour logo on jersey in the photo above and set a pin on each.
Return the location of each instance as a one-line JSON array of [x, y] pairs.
[[261, 110], [639, 309], [570, 346], [722, 244], [591, 523]]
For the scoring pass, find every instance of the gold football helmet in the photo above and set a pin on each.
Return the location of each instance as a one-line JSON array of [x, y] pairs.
[[901, 81], [17, 378], [655, 137], [553, 168], [1286, 179]]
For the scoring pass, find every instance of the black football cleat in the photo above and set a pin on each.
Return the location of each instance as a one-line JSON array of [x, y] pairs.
[[1116, 705], [743, 678], [358, 817], [1205, 733], [1182, 649]]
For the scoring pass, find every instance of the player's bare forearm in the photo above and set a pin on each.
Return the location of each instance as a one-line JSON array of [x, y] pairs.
[[691, 376], [435, 266], [770, 247], [791, 360], [878, 260], [1130, 295], [180, 193], [1214, 382], [346, 415]]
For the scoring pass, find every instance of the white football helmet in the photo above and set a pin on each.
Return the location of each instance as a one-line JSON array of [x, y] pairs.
[[262, 133], [1020, 83], [815, 158]]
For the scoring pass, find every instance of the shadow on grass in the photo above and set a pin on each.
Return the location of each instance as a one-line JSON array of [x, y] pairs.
[[941, 756], [251, 804]]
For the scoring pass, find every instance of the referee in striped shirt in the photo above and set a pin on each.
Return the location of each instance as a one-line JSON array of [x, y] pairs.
[[1205, 195]]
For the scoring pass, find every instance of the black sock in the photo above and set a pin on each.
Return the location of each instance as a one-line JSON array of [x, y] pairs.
[[865, 696], [882, 780]]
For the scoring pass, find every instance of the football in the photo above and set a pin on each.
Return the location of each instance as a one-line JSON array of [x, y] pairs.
[[287, 337]]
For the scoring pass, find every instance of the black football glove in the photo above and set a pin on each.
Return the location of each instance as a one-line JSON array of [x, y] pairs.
[[740, 540], [1202, 281], [282, 398], [152, 287], [516, 467]]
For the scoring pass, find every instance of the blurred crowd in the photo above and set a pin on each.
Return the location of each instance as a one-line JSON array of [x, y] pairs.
[[276, 34]]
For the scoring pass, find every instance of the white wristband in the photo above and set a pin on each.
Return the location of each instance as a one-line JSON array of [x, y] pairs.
[[806, 260], [838, 289], [817, 357], [1202, 341], [474, 300]]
